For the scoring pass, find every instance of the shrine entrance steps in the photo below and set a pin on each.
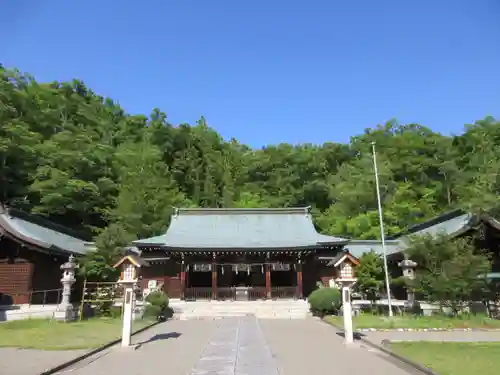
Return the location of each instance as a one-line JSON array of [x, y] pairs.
[[279, 309]]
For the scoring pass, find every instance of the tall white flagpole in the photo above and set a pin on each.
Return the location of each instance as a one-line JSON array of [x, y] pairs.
[[382, 235]]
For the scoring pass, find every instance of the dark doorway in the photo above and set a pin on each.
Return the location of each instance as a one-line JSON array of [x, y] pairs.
[[200, 279], [241, 279], [284, 278]]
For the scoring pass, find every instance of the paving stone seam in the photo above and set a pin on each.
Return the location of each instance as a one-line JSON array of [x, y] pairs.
[[238, 332], [271, 353]]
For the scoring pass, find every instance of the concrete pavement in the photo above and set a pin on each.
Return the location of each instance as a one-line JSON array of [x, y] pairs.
[[311, 347], [240, 346], [173, 347], [15, 361]]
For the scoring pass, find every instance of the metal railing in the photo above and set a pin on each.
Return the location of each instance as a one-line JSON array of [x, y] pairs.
[[283, 292], [33, 297], [257, 292], [226, 294], [198, 293]]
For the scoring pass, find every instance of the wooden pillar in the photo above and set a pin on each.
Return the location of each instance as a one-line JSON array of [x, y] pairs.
[[183, 280], [268, 281], [214, 280], [299, 280]]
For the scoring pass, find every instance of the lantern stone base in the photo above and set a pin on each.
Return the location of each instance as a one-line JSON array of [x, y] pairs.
[[66, 313]]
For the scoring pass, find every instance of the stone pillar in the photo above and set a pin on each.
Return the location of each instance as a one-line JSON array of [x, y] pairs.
[[65, 310], [347, 313], [183, 280], [268, 281], [128, 307], [408, 266], [214, 280], [299, 280]]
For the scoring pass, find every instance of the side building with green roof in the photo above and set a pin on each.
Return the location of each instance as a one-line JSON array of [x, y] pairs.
[[32, 249]]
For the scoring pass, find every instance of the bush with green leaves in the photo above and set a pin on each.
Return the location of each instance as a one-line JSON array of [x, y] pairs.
[[325, 301], [157, 304]]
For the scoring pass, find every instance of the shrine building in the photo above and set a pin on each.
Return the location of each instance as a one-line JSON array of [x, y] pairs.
[[32, 250], [216, 253], [233, 253]]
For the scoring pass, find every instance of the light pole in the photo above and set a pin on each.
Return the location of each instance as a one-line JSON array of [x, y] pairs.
[[382, 235]]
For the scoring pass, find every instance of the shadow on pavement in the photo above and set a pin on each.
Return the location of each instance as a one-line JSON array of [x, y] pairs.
[[356, 335], [161, 337]]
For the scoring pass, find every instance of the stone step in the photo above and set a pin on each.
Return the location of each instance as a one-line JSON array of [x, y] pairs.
[[246, 310], [282, 309]]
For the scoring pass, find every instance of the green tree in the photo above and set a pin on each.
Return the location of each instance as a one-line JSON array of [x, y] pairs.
[[147, 192], [97, 265], [370, 275], [449, 270], [78, 158]]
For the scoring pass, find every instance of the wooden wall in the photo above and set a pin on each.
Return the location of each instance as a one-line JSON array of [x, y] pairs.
[[167, 273], [27, 274]]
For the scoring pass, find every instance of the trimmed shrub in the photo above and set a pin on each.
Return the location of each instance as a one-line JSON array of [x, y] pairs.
[[152, 311], [325, 301], [157, 305], [157, 299]]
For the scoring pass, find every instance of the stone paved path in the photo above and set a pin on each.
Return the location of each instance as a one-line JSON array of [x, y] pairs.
[[15, 361], [310, 347], [237, 348], [172, 348], [241, 346]]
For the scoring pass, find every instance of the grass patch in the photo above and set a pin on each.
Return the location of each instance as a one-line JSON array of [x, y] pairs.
[[416, 322], [47, 334], [453, 358]]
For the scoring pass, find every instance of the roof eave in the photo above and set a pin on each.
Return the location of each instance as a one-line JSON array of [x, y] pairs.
[[232, 248], [6, 228], [344, 242], [148, 244]]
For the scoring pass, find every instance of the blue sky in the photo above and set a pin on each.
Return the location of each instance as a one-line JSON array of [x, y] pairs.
[[270, 71]]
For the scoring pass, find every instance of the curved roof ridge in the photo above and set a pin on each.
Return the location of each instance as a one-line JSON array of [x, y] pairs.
[[35, 233], [44, 222], [242, 228], [242, 211]]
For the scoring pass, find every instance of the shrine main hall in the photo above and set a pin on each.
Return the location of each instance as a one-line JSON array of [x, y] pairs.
[[239, 253]]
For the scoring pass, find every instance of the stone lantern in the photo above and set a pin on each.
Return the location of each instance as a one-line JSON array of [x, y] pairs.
[[408, 266], [65, 311], [345, 264], [129, 266]]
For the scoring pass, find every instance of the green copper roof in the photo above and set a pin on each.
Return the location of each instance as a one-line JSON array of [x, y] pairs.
[[451, 224], [359, 247], [33, 232], [241, 228]]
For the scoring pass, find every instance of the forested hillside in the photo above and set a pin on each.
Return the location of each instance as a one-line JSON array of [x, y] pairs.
[[80, 160]]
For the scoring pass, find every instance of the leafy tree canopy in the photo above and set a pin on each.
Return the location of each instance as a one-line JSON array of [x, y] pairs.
[[79, 159], [448, 271]]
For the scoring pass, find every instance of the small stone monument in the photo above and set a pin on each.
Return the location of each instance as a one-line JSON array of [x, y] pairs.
[[65, 311]]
